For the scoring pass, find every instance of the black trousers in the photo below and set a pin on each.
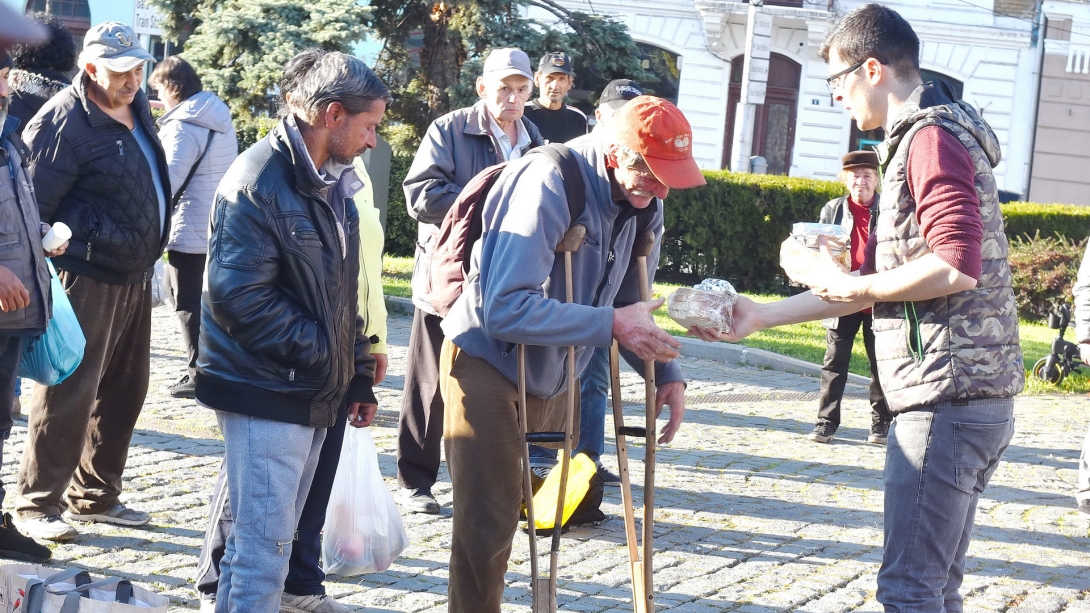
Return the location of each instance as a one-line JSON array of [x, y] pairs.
[[420, 425], [185, 276], [305, 576], [834, 373]]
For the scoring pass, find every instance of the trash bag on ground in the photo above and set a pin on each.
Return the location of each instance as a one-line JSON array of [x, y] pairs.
[[363, 529]]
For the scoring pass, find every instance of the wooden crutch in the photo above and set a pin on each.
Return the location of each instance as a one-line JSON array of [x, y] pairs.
[[543, 589], [641, 568]]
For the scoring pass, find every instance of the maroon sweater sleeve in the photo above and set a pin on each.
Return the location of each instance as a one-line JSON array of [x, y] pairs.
[[940, 178]]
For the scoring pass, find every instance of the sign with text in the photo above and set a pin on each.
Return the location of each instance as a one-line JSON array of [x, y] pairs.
[[146, 19]]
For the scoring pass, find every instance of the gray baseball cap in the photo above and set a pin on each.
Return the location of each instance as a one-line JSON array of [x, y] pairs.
[[502, 63], [114, 44]]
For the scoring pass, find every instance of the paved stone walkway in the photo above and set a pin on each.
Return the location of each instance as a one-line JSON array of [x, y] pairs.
[[751, 517]]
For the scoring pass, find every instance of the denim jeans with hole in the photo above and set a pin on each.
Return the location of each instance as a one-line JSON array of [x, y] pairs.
[[938, 461], [269, 466]]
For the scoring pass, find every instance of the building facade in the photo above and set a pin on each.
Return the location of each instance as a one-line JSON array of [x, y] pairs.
[[1061, 144], [986, 49]]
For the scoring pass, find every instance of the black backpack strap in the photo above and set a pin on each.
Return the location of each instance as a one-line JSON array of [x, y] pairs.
[[193, 171], [574, 188]]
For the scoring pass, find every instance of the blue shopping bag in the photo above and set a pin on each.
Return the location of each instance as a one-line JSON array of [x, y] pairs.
[[51, 357]]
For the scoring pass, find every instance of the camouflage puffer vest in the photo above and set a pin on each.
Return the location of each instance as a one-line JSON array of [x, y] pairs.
[[963, 346]]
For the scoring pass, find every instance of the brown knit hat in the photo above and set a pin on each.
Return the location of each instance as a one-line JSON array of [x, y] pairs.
[[858, 159]]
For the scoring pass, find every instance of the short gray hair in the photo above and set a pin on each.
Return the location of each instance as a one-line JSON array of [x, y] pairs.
[[628, 157], [338, 77]]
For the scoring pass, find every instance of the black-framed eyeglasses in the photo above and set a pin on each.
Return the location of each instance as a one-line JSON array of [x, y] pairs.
[[834, 81]]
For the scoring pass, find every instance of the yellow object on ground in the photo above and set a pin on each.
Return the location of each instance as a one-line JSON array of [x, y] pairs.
[[580, 471]]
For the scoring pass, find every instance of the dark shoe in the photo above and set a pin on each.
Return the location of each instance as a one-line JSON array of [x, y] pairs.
[[878, 433], [118, 515], [182, 388], [608, 479], [823, 432], [419, 500], [15, 546]]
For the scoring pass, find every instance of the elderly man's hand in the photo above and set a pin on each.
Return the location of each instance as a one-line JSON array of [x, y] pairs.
[[634, 328], [672, 394]]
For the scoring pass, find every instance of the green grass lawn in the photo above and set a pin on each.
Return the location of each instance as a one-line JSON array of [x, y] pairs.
[[803, 341]]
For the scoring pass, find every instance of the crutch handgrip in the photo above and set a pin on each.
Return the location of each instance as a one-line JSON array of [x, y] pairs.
[[572, 239], [632, 431], [545, 437]]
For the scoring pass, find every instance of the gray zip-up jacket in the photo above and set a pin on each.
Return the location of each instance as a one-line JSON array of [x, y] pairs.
[[516, 285], [456, 147], [1081, 290], [184, 132]]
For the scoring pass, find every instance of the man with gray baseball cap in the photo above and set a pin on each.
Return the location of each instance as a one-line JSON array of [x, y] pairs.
[[98, 166], [456, 147]]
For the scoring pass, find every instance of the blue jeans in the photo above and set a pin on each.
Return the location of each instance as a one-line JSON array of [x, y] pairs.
[[269, 467], [938, 461], [594, 385]]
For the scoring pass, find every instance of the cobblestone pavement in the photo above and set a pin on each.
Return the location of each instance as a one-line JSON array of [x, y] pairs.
[[751, 517]]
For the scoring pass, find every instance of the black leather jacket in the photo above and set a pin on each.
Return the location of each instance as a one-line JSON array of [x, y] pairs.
[[281, 333]]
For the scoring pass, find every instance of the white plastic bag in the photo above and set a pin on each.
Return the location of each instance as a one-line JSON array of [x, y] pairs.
[[363, 529], [708, 305]]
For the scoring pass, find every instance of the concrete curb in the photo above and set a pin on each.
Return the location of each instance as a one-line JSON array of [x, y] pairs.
[[727, 353]]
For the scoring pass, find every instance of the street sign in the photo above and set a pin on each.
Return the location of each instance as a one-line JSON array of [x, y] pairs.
[[146, 19]]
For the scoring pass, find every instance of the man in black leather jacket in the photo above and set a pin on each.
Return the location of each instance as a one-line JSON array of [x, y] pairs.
[[282, 341]]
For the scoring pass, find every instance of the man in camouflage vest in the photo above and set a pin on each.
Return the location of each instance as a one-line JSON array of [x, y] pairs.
[[945, 324]]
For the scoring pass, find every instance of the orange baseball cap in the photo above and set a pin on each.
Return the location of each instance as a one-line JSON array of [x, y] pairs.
[[658, 131]]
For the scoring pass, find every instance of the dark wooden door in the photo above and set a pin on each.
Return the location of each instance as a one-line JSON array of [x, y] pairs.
[[774, 127]]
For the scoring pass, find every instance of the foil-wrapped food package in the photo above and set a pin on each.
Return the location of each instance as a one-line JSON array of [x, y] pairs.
[[710, 304], [801, 254]]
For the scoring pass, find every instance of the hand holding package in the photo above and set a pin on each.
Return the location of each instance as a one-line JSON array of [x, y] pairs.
[[710, 304]]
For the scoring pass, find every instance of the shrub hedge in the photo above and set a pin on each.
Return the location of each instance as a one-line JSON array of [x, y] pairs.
[[1027, 219], [732, 229], [1043, 271], [252, 129]]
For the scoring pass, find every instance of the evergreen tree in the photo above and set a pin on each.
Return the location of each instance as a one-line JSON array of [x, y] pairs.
[[240, 47]]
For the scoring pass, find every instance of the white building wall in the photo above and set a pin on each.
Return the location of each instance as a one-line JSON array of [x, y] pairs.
[[992, 56]]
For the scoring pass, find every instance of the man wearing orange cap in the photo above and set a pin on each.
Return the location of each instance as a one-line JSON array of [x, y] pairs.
[[514, 294]]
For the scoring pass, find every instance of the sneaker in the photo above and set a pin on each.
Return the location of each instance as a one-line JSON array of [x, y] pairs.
[[15, 546], [311, 604], [878, 433], [182, 388], [48, 528], [119, 515], [208, 605], [608, 479], [417, 500], [823, 432]]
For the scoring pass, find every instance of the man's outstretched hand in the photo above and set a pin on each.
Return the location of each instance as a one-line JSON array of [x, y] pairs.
[[635, 329], [746, 321]]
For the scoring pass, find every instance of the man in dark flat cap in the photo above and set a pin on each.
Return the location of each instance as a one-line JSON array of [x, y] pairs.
[[859, 172]]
